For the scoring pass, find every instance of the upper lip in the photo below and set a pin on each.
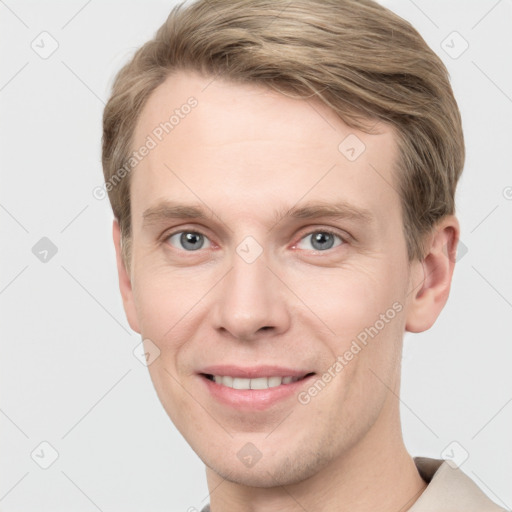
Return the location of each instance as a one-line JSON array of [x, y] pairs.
[[253, 372]]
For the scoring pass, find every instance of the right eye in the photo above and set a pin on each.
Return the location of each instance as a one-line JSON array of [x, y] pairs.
[[188, 240]]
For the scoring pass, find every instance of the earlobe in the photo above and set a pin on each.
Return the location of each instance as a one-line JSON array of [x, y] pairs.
[[432, 277], [125, 284]]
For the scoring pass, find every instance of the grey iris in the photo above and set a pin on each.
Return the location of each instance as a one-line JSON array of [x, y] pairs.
[[321, 240], [189, 240]]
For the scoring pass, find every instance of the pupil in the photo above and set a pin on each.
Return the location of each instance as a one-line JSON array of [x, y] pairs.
[[190, 240], [323, 241]]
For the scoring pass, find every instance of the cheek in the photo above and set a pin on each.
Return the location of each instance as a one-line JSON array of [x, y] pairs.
[[349, 298], [164, 298]]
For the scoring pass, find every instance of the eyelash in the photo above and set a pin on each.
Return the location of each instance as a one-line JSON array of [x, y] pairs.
[[165, 237]]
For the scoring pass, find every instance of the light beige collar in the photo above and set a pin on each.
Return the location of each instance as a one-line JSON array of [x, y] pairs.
[[449, 490]]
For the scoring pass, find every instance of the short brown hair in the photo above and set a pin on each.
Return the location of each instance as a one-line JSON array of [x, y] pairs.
[[362, 60]]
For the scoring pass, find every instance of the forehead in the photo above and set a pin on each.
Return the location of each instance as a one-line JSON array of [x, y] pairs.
[[245, 147]]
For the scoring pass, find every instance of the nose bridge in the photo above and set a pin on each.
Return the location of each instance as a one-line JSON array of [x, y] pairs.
[[249, 298]]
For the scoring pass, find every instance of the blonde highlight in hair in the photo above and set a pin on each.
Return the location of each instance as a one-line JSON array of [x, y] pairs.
[[357, 57]]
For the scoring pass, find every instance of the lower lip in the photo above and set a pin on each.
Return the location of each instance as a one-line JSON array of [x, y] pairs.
[[253, 399]]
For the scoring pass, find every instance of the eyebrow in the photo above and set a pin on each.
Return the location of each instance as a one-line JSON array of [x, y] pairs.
[[169, 210]]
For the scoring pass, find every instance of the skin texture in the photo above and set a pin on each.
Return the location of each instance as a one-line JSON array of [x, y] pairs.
[[243, 152]]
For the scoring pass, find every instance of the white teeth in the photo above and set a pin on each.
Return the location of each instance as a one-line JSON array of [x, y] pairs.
[[241, 383], [257, 383], [274, 381]]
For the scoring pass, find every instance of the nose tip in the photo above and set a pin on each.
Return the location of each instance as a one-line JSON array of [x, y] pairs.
[[243, 318], [248, 333]]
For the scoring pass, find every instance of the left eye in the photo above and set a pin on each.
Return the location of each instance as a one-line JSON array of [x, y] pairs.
[[320, 240], [189, 240]]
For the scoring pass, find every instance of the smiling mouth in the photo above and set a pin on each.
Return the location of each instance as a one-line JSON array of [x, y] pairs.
[[255, 383]]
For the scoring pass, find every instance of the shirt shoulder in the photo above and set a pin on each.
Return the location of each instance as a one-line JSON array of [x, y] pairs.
[[449, 490]]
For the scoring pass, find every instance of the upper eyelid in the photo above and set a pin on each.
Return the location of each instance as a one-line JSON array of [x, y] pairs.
[[167, 234]]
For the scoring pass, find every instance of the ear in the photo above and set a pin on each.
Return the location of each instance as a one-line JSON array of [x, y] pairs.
[[432, 276], [125, 285]]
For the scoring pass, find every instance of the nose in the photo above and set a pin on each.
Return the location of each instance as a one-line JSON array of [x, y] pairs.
[[251, 301]]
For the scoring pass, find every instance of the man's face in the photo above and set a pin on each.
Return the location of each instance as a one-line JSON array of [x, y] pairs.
[[258, 286]]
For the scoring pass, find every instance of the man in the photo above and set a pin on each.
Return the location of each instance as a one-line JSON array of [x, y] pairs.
[[282, 176]]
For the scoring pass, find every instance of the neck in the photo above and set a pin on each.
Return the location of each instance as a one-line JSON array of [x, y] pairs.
[[376, 474]]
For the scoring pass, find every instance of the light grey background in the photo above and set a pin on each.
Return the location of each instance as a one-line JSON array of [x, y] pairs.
[[68, 373]]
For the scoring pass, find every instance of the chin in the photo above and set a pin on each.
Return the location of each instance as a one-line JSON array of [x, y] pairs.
[[281, 470]]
